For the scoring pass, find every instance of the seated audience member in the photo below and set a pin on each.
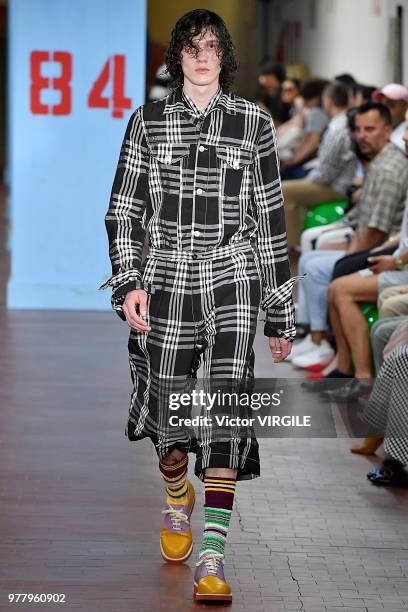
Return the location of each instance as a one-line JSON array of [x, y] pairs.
[[386, 411], [395, 96], [359, 94], [347, 264], [351, 85], [356, 95], [393, 310], [334, 171], [348, 322], [290, 92], [337, 235], [273, 106], [357, 260], [290, 133], [271, 78], [309, 125], [393, 302], [368, 91], [346, 79], [379, 212], [269, 97]]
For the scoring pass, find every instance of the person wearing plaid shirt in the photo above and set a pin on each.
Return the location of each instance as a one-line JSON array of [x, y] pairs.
[[198, 171], [335, 166], [378, 217]]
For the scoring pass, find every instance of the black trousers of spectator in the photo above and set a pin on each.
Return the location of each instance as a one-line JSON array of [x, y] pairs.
[[357, 261]]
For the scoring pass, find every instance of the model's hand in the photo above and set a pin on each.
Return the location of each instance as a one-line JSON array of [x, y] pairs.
[[403, 290], [382, 263], [280, 348], [136, 300]]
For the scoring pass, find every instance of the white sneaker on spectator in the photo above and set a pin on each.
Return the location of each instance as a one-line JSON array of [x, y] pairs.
[[317, 358], [301, 348]]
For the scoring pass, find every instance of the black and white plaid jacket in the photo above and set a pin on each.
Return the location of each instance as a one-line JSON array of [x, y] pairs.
[[197, 181]]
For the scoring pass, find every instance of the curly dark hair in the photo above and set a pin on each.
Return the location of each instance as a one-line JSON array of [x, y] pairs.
[[197, 23]]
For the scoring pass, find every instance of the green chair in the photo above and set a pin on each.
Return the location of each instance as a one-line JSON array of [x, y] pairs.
[[370, 313], [322, 214]]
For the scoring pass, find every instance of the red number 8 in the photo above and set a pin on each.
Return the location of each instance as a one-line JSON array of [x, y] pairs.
[[40, 82]]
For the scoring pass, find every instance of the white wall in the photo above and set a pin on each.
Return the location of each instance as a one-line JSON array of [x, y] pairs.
[[348, 37]]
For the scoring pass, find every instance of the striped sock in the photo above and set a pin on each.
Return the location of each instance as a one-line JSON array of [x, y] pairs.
[[175, 478], [219, 497]]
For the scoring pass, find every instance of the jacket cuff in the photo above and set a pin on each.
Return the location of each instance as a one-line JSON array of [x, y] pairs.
[[280, 322], [122, 290], [125, 278], [272, 332], [278, 297], [127, 281]]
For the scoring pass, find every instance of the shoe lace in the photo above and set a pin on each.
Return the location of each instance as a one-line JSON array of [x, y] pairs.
[[176, 517], [211, 562]]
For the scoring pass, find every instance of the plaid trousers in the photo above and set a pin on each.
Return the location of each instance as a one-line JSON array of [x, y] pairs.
[[387, 406], [215, 298]]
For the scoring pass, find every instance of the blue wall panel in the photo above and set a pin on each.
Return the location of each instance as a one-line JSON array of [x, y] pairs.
[[61, 167]]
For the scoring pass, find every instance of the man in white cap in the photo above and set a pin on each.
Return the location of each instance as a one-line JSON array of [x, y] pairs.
[[395, 96]]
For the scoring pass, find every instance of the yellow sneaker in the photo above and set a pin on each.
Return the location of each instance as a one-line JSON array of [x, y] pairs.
[[176, 539], [209, 579]]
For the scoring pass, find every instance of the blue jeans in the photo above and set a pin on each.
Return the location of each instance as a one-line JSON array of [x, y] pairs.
[[294, 172], [318, 266]]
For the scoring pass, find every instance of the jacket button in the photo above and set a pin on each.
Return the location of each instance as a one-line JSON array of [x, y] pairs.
[[196, 233], [199, 191], [194, 256], [201, 149]]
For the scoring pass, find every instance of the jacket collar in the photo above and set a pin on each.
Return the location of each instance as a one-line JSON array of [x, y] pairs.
[[176, 102]]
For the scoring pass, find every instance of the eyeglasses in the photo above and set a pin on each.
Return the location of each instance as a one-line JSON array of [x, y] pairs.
[[212, 47], [287, 89]]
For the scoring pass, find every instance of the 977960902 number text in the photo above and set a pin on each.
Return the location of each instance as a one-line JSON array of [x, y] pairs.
[[36, 598]]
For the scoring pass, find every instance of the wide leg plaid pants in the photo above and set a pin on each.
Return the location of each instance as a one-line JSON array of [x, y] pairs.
[[387, 407], [213, 297]]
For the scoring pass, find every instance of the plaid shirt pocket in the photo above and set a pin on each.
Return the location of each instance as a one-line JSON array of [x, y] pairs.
[[169, 161], [233, 163]]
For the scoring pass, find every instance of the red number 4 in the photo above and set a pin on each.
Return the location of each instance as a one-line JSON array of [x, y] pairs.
[[114, 69]]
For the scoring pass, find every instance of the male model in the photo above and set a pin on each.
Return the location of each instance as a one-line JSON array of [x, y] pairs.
[[198, 170]]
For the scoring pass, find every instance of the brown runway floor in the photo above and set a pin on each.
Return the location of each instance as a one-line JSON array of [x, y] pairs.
[[80, 505]]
